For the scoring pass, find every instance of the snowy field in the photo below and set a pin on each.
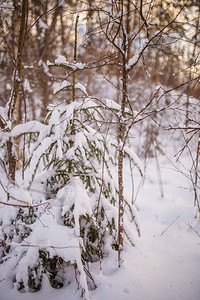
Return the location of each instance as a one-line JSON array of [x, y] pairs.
[[165, 264]]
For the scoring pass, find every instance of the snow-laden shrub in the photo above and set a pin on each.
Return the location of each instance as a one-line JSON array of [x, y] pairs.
[[73, 218]]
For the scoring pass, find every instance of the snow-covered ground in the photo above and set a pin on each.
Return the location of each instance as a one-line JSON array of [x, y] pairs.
[[165, 264]]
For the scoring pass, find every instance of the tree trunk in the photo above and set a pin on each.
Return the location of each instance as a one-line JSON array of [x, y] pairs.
[[45, 45], [121, 142], [18, 70], [15, 92]]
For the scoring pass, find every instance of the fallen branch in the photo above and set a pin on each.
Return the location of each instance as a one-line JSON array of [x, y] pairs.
[[41, 246], [191, 227], [170, 225]]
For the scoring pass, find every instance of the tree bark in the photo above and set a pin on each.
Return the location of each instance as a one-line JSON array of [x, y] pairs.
[[18, 70], [12, 159], [121, 145], [45, 49]]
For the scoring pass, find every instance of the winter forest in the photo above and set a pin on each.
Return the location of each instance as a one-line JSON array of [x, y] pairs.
[[100, 149]]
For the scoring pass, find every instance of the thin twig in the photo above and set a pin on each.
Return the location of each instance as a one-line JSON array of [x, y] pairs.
[[170, 225], [13, 244], [191, 227], [45, 13]]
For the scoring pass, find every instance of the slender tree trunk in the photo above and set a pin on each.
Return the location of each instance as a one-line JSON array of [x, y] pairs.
[[71, 142], [121, 200], [15, 92], [121, 145], [196, 176], [75, 55], [18, 70], [16, 19], [128, 27], [45, 47]]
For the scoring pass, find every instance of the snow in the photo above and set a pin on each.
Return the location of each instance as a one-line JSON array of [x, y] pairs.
[[135, 158], [112, 104], [27, 86], [61, 86], [88, 103], [61, 3], [61, 60], [3, 112], [8, 87], [135, 58], [79, 65], [42, 25], [6, 5], [31, 126], [164, 262], [20, 194], [132, 61], [81, 87]]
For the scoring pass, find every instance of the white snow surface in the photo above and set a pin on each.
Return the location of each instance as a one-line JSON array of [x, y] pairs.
[[165, 264]]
